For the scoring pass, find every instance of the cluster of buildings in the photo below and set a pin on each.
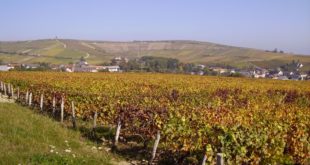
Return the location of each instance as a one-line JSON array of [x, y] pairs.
[[6, 67], [80, 66], [275, 74], [257, 72], [262, 73], [83, 66]]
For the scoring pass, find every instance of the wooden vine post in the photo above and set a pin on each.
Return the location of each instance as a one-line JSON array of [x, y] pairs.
[[118, 130], [62, 109], [4, 86], [4, 89], [54, 105], [7, 91], [27, 95], [95, 120], [30, 99], [9, 88], [73, 115], [1, 86], [18, 93], [12, 92], [219, 159], [204, 160], [155, 147], [41, 101]]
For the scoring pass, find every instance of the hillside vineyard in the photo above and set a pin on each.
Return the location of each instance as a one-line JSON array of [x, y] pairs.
[[249, 121], [56, 51]]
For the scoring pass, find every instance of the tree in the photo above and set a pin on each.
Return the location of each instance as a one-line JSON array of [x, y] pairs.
[[159, 64], [82, 59]]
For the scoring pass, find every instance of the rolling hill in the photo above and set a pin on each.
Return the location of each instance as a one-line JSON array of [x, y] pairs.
[[97, 52]]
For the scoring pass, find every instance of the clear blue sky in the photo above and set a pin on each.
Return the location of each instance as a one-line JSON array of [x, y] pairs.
[[264, 24]]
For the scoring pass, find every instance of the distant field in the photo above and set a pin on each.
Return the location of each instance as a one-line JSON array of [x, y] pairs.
[[186, 51]]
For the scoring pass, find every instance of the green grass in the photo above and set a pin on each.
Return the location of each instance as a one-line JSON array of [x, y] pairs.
[[51, 50], [21, 46], [28, 138], [14, 58]]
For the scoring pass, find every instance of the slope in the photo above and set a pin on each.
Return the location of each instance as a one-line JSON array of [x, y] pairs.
[[28, 138], [97, 52]]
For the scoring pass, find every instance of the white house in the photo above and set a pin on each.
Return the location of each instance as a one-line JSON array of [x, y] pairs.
[[112, 68], [256, 75], [119, 60], [5, 67], [201, 66], [259, 73], [303, 76], [281, 78], [219, 69], [68, 70], [85, 68], [280, 73]]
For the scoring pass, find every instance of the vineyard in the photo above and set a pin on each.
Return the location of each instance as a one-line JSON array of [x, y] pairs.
[[249, 121]]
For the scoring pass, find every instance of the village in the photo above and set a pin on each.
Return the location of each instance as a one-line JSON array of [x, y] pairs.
[[123, 64]]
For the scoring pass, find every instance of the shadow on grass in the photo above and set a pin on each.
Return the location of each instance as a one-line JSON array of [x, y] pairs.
[[136, 151], [98, 134], [132, 147]]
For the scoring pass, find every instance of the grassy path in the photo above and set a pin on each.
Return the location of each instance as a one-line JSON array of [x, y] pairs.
[[29, 138]]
